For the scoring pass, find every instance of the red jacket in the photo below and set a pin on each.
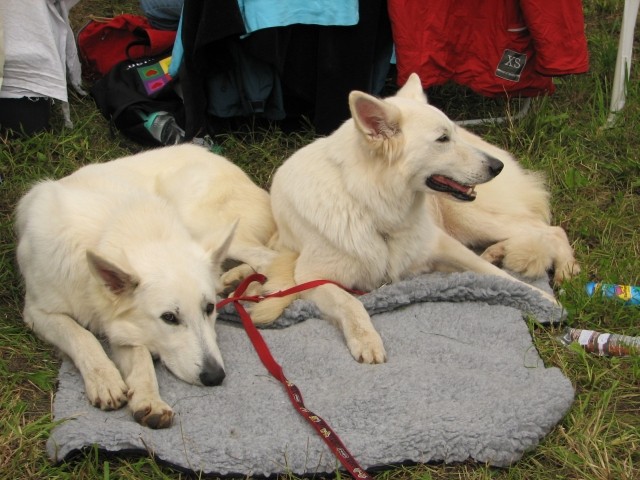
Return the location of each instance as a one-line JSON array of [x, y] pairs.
[[495, 47]]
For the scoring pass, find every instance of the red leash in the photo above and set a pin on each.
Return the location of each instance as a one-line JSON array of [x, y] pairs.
[[323, 429]]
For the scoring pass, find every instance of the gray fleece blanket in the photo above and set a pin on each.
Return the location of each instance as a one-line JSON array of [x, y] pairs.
[[463, 381]]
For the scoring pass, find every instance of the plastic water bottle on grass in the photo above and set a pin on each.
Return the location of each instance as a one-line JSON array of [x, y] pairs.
[[629, 294], [164, 128], [600, 343]]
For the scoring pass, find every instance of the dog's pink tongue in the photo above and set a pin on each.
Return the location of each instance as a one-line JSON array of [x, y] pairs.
[[451, 183]]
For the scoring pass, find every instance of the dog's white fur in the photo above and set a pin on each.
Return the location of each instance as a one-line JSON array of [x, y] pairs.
[[130, 250], [209, 193], [355, 207]]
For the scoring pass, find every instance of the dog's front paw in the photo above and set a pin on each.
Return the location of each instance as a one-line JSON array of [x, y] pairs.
[[367, 348], [150, 411], [521, 255], [494, 253], [105, 388], [232, 278], [565, 271]]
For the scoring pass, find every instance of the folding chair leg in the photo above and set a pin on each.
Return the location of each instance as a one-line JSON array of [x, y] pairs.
[[623, 59]]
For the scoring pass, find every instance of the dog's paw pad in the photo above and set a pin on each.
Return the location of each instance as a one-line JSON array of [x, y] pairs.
[[154, 418], [152, 412]]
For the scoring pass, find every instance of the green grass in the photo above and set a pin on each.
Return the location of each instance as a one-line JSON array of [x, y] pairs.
[[594, 176]]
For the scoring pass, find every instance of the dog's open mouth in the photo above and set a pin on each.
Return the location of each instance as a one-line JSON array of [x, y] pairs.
[[444, 184]]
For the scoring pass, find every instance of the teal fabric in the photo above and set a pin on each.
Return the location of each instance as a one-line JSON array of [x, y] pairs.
[[260, 14], [177, 53]]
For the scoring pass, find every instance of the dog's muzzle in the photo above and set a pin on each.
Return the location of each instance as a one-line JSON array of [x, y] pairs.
[[466, 193]]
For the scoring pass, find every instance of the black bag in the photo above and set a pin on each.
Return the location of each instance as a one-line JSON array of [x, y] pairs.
[[249, 87], [139, 99]]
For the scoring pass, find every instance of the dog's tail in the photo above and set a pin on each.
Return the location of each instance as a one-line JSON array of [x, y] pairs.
[[280, 276]]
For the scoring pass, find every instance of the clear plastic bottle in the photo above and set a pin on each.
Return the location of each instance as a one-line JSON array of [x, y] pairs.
[[602, 343], [164, 128]]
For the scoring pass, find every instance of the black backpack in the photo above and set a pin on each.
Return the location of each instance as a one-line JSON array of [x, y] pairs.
[[132, 95]]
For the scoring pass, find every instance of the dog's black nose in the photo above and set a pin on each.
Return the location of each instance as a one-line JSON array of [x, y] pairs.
[[212, 374], [495, 165]]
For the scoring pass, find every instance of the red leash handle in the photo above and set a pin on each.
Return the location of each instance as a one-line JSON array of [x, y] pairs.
[[323, 429]]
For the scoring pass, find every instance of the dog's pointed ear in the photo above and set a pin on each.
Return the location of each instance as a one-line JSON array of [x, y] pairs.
[[219, 253], [412, 89], [376, 118], [114, 278]]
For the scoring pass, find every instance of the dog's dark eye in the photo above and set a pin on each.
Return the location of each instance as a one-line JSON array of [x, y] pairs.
[[210, 308], [444, 138], [170, 318]]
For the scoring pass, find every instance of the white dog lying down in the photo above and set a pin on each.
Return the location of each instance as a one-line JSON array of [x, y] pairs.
[[103, 256], [392, 193], [209, 193]]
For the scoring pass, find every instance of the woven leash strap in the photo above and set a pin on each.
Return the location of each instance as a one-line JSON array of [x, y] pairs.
[[324, 430]]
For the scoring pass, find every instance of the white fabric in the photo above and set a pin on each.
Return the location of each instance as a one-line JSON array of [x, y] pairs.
[[40, 50]]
